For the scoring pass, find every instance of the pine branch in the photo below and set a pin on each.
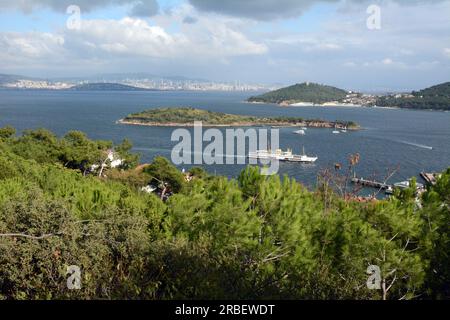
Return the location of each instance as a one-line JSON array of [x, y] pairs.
[[23, 235]]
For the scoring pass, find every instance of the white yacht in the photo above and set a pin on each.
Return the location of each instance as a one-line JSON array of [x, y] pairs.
[[407, 184], [300, 132], [281, 155]]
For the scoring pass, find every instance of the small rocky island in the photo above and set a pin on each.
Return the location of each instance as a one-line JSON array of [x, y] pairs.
[[185, 117]]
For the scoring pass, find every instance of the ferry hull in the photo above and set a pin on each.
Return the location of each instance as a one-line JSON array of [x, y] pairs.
[[280, 157]]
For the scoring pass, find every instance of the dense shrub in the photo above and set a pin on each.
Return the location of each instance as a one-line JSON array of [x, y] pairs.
[[255, 237]]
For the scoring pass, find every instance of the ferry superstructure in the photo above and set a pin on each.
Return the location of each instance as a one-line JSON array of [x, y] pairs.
[[281, 155]]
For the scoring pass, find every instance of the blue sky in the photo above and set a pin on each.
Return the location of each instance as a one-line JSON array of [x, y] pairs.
[[265, 41]]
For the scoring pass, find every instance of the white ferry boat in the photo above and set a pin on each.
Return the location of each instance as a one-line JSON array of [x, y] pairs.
[[281, 155]]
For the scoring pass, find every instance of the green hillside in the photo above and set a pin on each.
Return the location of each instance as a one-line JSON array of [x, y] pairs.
[[302, 92], [436, 97], [440, 90], [253, 237]]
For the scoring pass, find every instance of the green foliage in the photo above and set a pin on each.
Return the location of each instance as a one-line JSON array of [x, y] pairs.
[[7, 168], [75, 150], [7, 132], [40, 145], [109, 253], [187, 116], [198, 172], [132, 178], [256, 237], [162, 172], [436, 213], [440, 103], [130, 160], [440, 90], [436, 97], [304, 92], [78, 152]]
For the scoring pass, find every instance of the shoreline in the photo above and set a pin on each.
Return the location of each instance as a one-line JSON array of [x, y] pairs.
[[308, 104], [325, 105], [307, 123]]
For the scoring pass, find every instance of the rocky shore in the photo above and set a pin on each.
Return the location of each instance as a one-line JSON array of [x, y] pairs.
[[305, 123]]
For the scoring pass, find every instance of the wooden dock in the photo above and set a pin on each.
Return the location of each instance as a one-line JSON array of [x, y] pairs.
[[371, 183], [430, 178]]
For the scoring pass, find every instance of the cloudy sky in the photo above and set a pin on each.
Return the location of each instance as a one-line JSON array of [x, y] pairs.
[[259, 41]]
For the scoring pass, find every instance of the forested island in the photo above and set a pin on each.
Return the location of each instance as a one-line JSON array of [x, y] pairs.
[[302, 92], [306, 94], [181, 117], [436, 97], [201, 236]]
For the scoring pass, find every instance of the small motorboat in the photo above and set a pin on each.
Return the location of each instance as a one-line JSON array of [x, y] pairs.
[[300, 132]]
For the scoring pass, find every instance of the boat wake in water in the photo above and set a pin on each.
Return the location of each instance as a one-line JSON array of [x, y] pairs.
[[415, 144]]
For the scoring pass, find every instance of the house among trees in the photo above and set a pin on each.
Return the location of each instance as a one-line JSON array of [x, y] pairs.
[[112, 160]]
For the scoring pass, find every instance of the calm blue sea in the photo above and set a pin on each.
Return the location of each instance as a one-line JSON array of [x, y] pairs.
[[390, 137]]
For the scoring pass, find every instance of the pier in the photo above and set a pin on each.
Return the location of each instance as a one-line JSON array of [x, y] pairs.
[[430, 178], [371, 183]]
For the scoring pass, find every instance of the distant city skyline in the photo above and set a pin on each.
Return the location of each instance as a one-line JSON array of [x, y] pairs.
[[407, 47], [141, 81]]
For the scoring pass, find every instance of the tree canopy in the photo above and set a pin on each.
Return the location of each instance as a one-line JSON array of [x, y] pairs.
[[436, 97], [302, 92], [254, 237]]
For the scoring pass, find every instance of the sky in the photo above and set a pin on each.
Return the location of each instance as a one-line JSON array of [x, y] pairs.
[[353, 44]]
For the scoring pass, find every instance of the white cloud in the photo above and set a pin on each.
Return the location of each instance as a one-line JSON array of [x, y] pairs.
[[350, 64], [307, 43], [388, 63], [447, 52], [324, 47], [136, 37], [127, 38], [406, 52], [30, 45], [214, 44]]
